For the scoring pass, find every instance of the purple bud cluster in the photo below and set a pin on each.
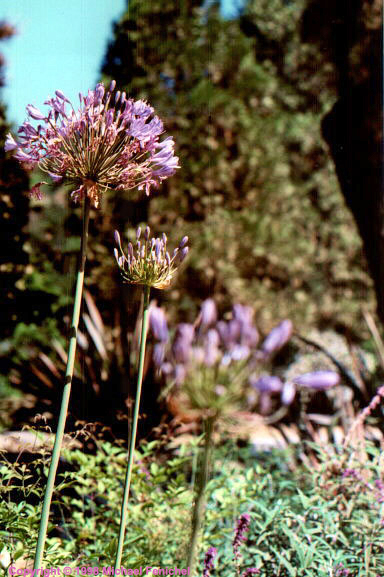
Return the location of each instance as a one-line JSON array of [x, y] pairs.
[[110, 142], [148, 262], [223, 345]]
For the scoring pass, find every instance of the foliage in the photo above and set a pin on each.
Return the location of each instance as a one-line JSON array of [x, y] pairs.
[[256, 192], [304, 521]]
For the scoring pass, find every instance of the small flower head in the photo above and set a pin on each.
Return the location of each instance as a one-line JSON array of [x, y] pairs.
[[110, 142], [147, 261]]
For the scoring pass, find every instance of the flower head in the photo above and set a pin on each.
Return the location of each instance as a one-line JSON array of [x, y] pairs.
[[148, 262], [110, 142]]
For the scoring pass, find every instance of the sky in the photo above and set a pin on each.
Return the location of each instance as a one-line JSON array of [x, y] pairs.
[[59, 45]]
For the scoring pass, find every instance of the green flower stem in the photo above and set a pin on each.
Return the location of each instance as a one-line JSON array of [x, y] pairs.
[[124, 506], [66, 392], [199, 507]]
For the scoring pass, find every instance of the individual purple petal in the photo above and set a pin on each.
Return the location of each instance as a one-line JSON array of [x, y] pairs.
[[159, 354], [211, 347], [10, 143], [229, 332], [182, 346], [183, 242], [265, 403], [23, 157], [179, 374], [35, 112], [243, 313], [266, 383], [208, 313], [239, 352], [278, 337], [55, 177], [288, 393], [158, 323], [319, 380], [61, 95]]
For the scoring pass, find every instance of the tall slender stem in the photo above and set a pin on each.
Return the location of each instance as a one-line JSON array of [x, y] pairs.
[[124, 506], [66, 391], [198, 510]]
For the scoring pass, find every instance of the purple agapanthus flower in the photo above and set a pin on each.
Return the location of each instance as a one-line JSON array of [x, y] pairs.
[[110, 142]]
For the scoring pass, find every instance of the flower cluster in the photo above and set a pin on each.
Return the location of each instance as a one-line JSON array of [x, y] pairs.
[[222, 362], [110, 142], [149, 263]]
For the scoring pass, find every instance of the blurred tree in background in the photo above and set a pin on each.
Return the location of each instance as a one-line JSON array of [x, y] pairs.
[[257, 193], [350, 36], [13, 219]]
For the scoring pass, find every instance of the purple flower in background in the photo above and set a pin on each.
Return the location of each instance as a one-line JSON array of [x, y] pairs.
[[229, 332], [211, 347], [208, 313], [209, 561], [249, 335], [158, 323], [242, 526], [266, 383], [288, 393], [110, 142], [159, 354], [278, 337], [182, 346], [318, 380]]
